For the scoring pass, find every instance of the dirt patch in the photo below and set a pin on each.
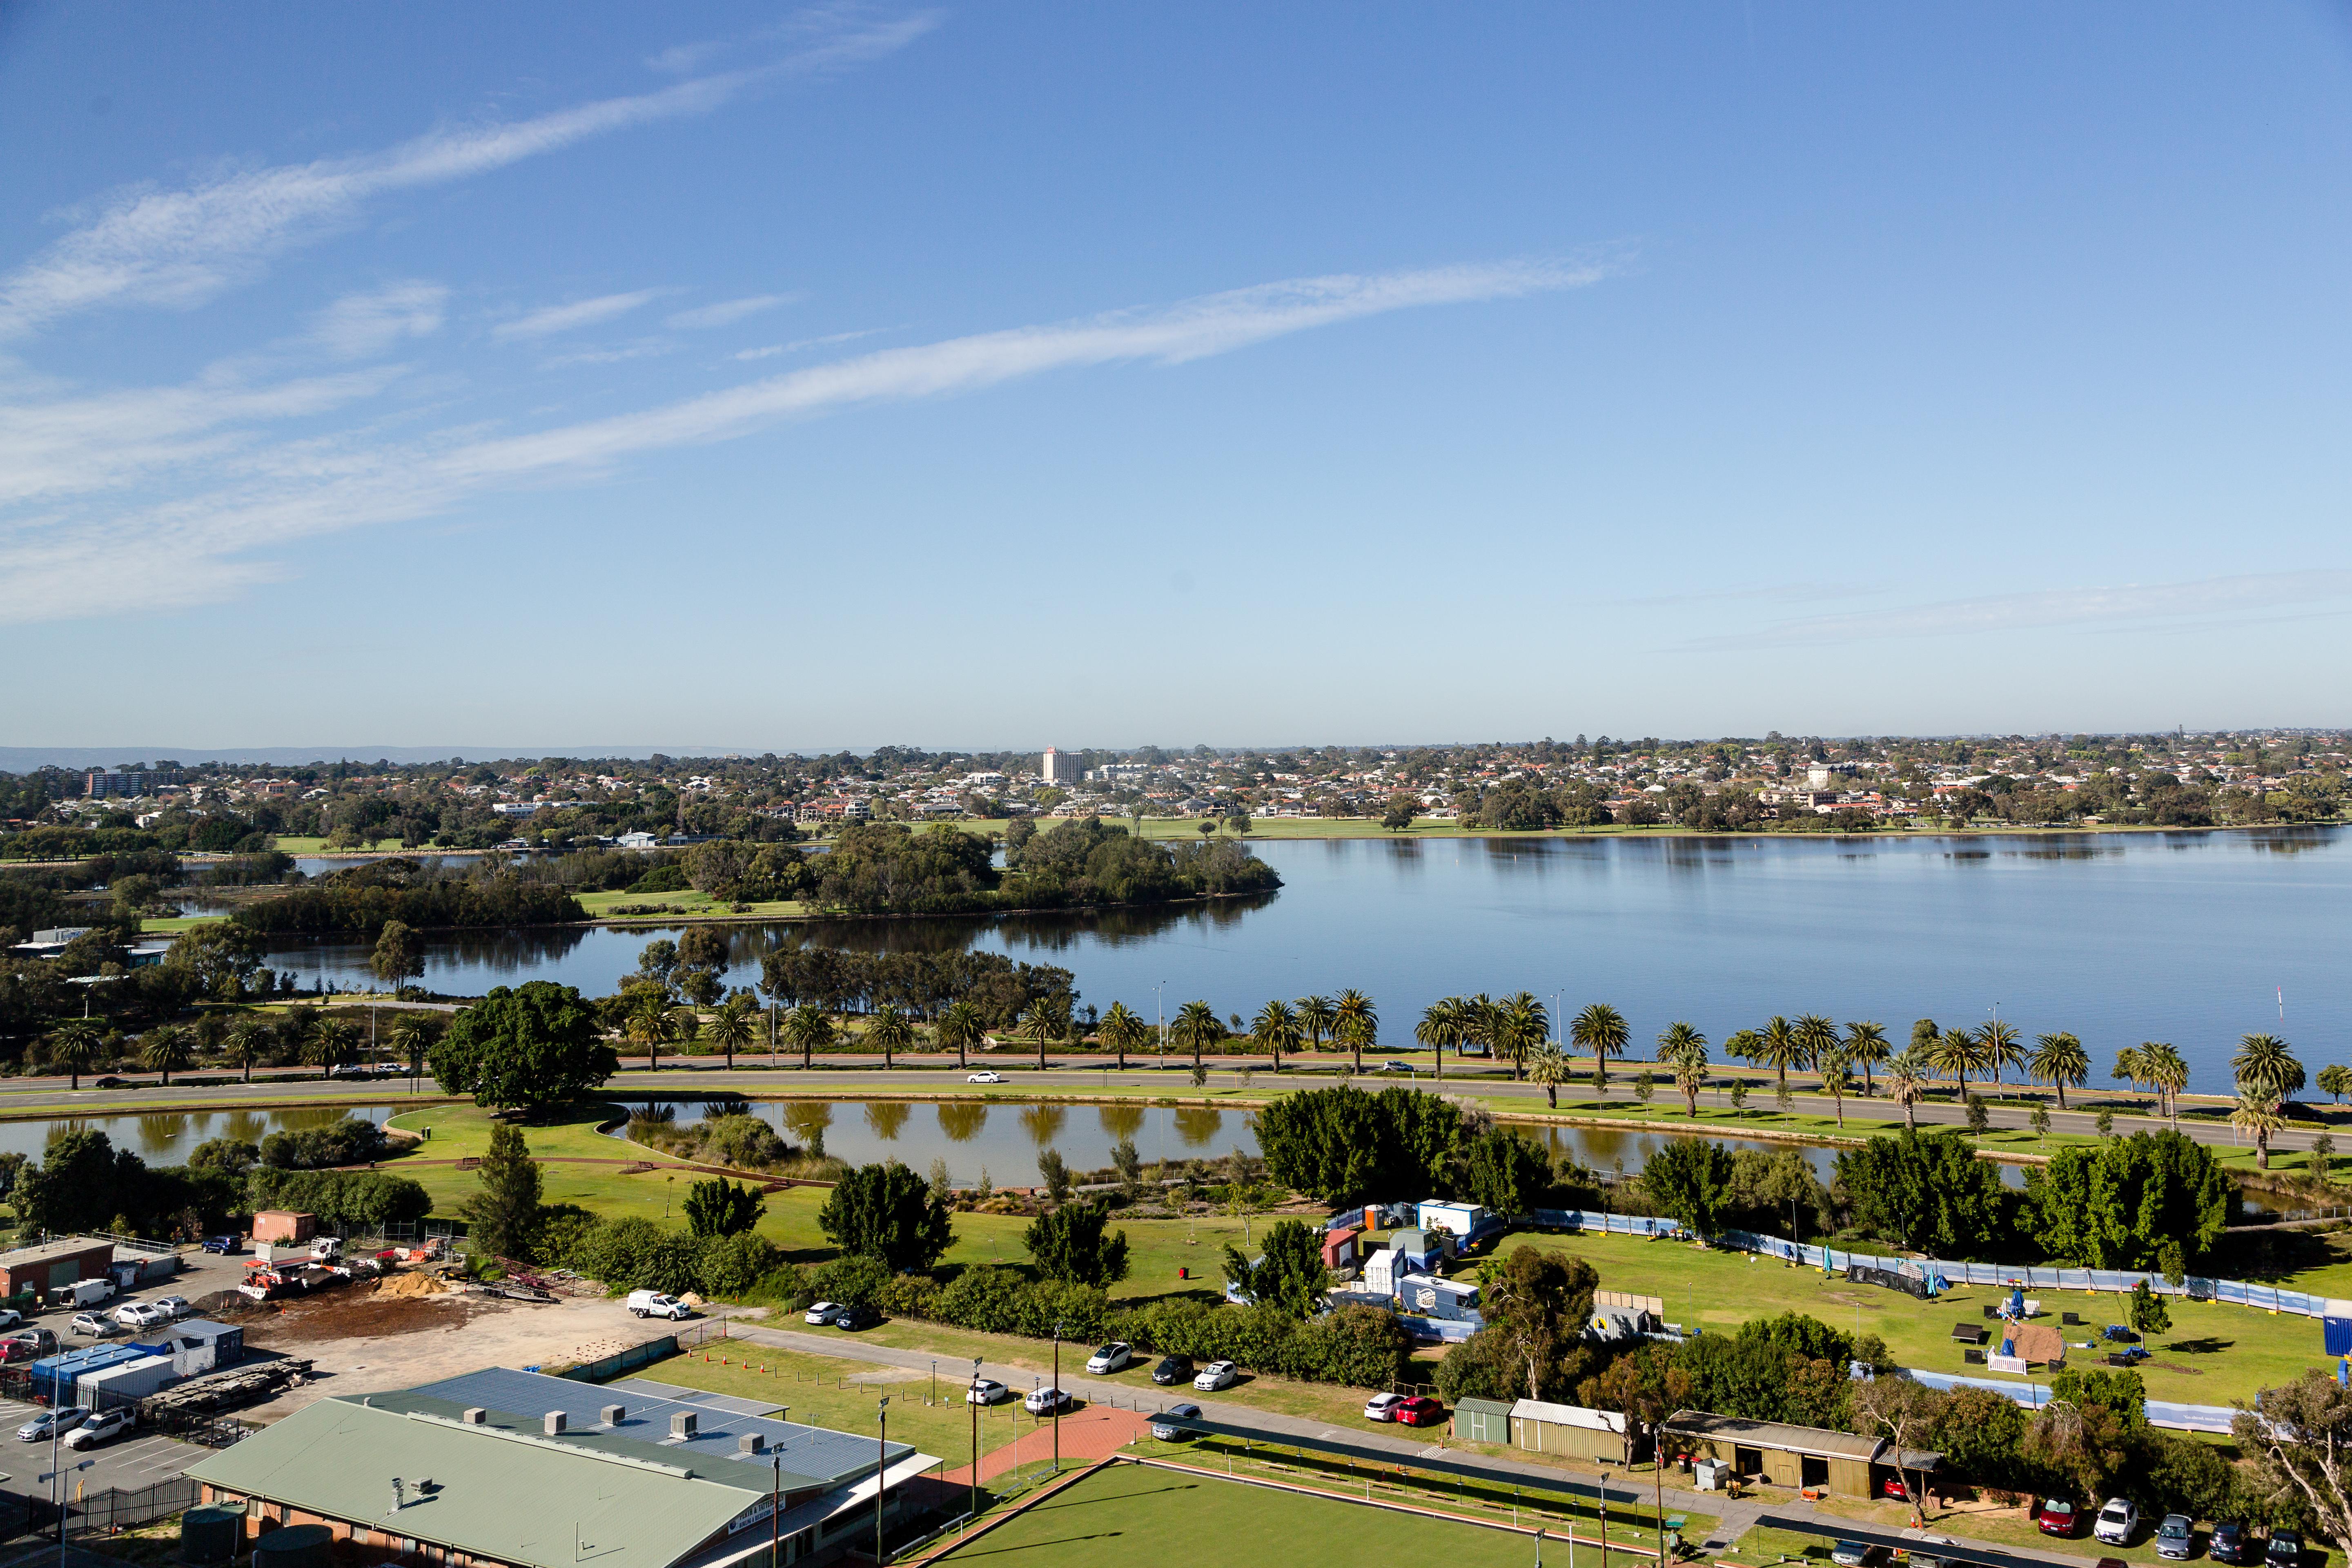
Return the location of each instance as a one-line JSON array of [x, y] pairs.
[[364, 1313]]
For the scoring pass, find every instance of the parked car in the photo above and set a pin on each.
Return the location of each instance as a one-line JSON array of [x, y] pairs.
[[141, 1315], [985, 1391], [1382, 1406], [1855, 1553], [1112, 1357], [43, 1342], [2285, 1550], [37, 1430], [1896, 1488], [2172, 1538], [98, 1325], [2116, 1521], [1217, 1375], [854, 1318], [1419, 1410], [1394, 1065], [1174, 1369], [984, 1076], [225, 1245], [175, 1306], [821, 1313], [1161, 1427], [2056, 1517], [1045, 1401], [10, 1317], [2230, 1543], [654, 1304], [102, 1427]]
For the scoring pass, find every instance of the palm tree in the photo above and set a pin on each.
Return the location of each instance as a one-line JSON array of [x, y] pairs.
[[1601, 1031], [1197, 1025], [164, 1049], [960, 1025], [1867, 1043], [1481, 1023], [2266, 1068], [1780, 1047], [648, 1027], [1318, 1017], [2131, 1066], [1439, 1026], [1548, 1067], [1956, 1051], [1277, 1029], [2058, 1060], [1355, 1023], [1683, 1049], [2257, 1114], [1045, 1018], [1835, 1066], [809, 1027], [2168, 1073], [247, 1038], [330, 1044], [1998, 1045], [413, 1035], [73, 1047], [1122, 1031], [891, 1029], [1817, 1034], [1906, 1083], [2334, 1080], [731, 1029], [1521, 1025]]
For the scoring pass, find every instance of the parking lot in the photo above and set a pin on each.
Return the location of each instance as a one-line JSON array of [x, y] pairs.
[[130, 1461]]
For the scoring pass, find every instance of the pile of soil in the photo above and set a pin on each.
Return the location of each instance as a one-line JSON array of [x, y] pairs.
[[415, 1285], [365, 1314], [223, 1306]]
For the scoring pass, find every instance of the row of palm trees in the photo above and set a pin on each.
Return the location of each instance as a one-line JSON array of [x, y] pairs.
[[306, 1035]]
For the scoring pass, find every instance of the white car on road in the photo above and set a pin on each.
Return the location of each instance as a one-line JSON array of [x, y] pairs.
[[983, 1076], [141, 1315], [1217, 1375]]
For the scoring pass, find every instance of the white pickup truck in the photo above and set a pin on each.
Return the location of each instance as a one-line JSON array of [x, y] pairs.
[[654, 1304]]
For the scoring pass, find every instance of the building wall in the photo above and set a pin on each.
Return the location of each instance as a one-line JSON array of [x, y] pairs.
[[1781, 1466], [1573, 1442], [91, 1262]]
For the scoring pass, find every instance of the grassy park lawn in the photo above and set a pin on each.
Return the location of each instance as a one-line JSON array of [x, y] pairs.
[[687, 904], [1126, 1514]]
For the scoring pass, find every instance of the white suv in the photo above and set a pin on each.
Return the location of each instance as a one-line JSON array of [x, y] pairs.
[[1217, 1375], [2116, 1521], [1111, 1357]]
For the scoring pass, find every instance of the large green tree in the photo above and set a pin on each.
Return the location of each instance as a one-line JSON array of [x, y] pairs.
[[1503, 1172], [1071, 1242], [500, 1213], [523, 1048], [1536, 1305], [1288, 1275], [1346, 1144], [2151, 1201], [721, 1207], [1689, 1179], [888, 1213], [1930, 1194]]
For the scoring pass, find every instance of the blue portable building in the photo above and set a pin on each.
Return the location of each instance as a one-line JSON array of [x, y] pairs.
[[64, 1370]]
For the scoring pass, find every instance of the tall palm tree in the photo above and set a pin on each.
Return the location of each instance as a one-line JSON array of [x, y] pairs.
[[413, 1035], [1439, 1026], [1122, 1031], [1523, 1025], [163, 1048], [648, 1027], [1780, 1047], [1548, 1065], [1275, 1027], [1355, 1024], [1197, 1025], [247, 1038], [731, 1029], [2170, 1072], [1481, 1023], [330, 1044], [73, 1047], [891, 1029], [1317, 1015], [2058, 1060], [1956, 1052], [1601, 1031], [2266, 1067], [1817, 1034], [1045, 1019], [1906, 1077], [2131, 1066], [1867, 1043], [2257, 1114], [1998, 1045], [960, 1025], [1683, 1049], [808, 1026], [1835, 1066]]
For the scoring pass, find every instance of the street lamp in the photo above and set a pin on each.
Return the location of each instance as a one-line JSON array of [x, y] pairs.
[[1058, 1397], [975, 1445], [881, 1473]]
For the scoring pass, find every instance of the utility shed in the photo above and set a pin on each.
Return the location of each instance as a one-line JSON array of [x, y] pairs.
[[1574, 1430], [1788, 1456], [1482, 1420], [52, 1264]]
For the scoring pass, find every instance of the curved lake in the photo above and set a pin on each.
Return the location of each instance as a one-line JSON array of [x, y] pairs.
[[2187, 936], [167, 1137]]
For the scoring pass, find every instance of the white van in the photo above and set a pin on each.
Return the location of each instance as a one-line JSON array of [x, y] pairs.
[[654, 1304]]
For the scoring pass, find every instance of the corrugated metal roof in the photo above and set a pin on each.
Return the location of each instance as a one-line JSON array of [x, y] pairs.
[[1816, 1440], [1484, 1406], [1569, 1416], [498, 1495]]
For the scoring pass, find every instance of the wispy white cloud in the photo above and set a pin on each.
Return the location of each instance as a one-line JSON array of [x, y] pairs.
[[567, 318], [771, 350], [360, 326], [2205, 598], [644, 348], [149, 246], [726, 312], [198, 546]]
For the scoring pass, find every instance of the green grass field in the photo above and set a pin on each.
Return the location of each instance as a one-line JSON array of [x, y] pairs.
[[1127, 1514]]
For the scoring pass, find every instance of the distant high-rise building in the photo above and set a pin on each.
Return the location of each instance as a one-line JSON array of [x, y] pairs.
[[1060, 767]]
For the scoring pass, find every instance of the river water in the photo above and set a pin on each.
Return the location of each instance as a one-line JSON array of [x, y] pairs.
[[167, 1137], [2188, 937]]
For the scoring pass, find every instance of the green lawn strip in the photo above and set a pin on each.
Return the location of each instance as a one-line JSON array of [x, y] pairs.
[[687, 904], [168, 925], [825, 1390], [2213, 1353], [1125, 1514]]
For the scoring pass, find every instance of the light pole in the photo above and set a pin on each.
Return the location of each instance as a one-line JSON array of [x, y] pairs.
[[881, 1473], [1058, 1397], [975, 1446], [1159, 992]]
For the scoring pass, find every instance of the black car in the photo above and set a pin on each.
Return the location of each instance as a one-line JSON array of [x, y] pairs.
[[2228, 1543], [855, 1318], [2286, 1550], [1174, 1369]]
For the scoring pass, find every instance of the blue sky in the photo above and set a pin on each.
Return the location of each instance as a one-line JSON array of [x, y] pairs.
[[550, 377]]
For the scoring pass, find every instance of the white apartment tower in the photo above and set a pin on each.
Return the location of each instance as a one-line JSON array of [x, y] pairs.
[[1060, 767]]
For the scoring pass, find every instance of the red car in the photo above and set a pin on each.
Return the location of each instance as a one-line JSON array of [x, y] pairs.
[[1419, 1410], [1894, 1488], [2056, 1517]]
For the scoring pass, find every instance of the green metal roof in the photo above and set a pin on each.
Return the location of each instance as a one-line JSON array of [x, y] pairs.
[[502, 1493], [1482, 1406]]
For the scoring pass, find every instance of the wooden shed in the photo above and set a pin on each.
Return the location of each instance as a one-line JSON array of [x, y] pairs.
[[1572, 1431], [1482, 1420], [1795, 1456]]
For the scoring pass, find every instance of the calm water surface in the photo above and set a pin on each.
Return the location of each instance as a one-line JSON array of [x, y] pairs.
[[2120, 938], [167, 1137]]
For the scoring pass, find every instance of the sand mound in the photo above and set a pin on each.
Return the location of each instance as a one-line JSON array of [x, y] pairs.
[[2037, 1341], [413, 1285]]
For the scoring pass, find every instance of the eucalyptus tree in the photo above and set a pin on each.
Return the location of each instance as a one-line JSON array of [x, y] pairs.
[[1600, 1029], [2058, 1060], [685, 1026], [1355, 1024]]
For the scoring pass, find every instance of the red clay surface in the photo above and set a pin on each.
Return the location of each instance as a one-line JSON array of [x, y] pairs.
[[1096, 1432]]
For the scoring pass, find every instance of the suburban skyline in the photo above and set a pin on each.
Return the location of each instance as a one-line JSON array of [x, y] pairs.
[[456, 376]]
